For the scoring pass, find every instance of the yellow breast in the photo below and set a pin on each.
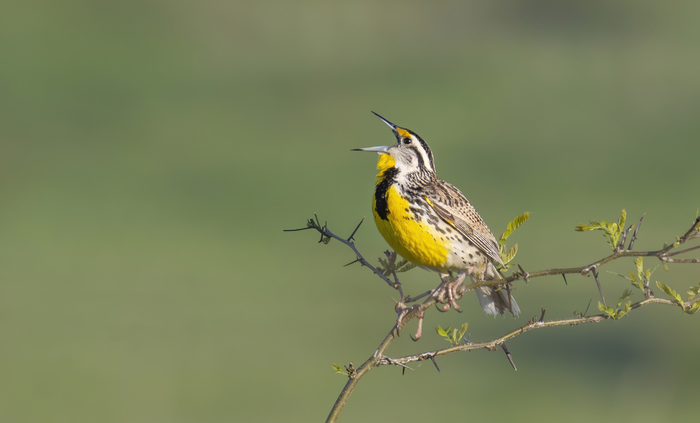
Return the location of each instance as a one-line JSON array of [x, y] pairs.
[[412, 239]]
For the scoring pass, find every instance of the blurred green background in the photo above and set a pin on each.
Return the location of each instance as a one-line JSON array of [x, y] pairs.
[[153, 152]]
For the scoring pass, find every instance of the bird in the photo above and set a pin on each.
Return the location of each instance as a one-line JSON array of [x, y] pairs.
[[430, 222]]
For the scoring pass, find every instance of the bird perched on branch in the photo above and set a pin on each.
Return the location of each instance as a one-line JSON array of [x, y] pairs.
[[430, 223]]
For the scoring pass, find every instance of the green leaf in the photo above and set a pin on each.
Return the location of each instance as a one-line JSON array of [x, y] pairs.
[[391, 265], [511, 254], [612, 230], [640, 266], [608, 310], [692, 293], [462, 331], [593, 226], [694, 309], [637, 280], [667, 289], [453, 336], [338, 369], [625, 294], [694, 290], [643, 276], [621, 310], [405, 266], [626, 309], [621, 222], [512, 226]]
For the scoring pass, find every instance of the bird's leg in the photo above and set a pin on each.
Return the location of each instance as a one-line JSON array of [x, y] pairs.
[[419, 331], [441, 291], [448, 288], [401, 311], [452, 290]]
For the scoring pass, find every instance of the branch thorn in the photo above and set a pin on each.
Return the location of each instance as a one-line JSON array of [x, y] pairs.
[[524, 273], [510, 358], [634, 234], [621, 245], [358, 227], [353, 262], [587, 307], [432, 358], [597, 281]]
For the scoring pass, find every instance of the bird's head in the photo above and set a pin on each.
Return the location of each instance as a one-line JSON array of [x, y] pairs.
[[410, 153]]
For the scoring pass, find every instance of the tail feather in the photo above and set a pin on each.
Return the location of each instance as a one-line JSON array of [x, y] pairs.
[[496, 301]]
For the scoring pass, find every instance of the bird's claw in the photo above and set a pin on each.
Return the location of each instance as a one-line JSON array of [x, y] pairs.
[[447, 293]]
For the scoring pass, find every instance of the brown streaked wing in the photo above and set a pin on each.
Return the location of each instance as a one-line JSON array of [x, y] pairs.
[[451, 205]]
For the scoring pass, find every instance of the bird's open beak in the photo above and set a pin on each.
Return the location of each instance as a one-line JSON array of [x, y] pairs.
[[391, 125], [379, 149]]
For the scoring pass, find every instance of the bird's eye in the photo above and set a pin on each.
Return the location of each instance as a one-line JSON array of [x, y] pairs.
[[406, 140]]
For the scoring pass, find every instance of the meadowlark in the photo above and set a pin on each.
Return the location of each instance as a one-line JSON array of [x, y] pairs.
[[430, 223]]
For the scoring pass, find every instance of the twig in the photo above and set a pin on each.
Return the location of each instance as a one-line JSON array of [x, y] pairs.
[[314, 224], [410, 299], [683, 251], [695, 228], [670, 260]]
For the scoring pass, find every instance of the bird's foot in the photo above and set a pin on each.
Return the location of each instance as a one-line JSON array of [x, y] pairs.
[[447, 292], [402, 311]]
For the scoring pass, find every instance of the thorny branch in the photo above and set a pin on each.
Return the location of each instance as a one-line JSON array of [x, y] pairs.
[[663, 254], [532, 324], [405, 314], [327, 234]]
